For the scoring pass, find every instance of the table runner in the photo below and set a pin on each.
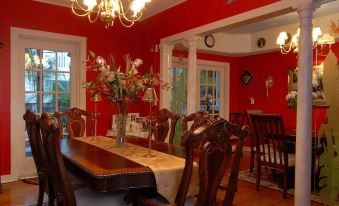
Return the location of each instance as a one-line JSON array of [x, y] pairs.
[[167, 169]]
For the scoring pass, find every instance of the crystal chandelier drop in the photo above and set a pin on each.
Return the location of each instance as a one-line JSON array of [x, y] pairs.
[[128, 11], [287, 44]]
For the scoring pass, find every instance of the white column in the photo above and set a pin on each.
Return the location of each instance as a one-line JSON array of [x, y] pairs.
[[304, 108], [192, 90], [165, 64]]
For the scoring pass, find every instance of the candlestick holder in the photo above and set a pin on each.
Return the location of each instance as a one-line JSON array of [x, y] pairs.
[[150, 96], [95, 98]]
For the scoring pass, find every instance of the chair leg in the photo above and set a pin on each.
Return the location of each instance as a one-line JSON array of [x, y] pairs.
[[41, 191], [285, 184], [252, 160], [258, 176]]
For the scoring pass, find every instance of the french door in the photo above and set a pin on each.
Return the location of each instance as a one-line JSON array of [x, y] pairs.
[[45, 79]]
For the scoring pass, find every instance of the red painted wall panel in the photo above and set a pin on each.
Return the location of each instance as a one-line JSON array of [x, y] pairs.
[[39, 16]]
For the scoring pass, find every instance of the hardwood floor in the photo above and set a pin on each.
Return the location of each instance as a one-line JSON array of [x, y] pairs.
[[20, 193]]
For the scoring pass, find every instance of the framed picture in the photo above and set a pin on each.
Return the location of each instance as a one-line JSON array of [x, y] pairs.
[[246, 77], [317, 83]]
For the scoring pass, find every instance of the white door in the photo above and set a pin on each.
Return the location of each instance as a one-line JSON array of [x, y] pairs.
[[213, 89], [44, 80]]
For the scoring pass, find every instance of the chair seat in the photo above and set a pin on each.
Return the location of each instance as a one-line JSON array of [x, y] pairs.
[[87, 197], [290, 157]]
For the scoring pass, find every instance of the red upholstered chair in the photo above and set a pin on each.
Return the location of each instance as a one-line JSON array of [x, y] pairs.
[[75, 123], [252, 138], [271, 146]]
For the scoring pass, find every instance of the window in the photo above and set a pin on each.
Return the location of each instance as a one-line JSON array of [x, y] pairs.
[[210, 91], [47, 80]]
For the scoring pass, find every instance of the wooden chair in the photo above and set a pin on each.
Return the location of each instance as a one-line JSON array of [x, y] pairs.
[[75, 123], [237, 118], [214, 159], [161, 125], [252, 138], [39, 155], [271, 146], [198, 119], [64, 193]]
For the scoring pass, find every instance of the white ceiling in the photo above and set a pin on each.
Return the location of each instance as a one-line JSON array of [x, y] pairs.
[[325, 9], [152, 8]]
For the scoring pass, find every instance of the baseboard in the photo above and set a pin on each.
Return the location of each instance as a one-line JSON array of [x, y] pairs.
[[8, 178]]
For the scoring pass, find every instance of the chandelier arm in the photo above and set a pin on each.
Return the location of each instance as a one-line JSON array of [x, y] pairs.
[[81, 8], [122, 21], [90, 19]]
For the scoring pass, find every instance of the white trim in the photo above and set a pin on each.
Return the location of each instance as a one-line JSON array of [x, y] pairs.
[[224, 67], [17, 35], [261, 12]]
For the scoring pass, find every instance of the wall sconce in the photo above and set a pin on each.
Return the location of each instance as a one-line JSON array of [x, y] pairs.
[[268, 84]]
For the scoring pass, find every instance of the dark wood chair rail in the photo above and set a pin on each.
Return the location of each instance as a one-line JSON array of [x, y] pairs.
[[105, 171]]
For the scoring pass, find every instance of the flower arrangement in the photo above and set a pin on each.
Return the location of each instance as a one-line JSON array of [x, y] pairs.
[[291, 98], [118, 86]]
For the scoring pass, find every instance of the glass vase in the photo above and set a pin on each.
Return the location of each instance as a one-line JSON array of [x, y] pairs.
[[121, 130]]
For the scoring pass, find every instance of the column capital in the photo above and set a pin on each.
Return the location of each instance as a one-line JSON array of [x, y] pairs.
[[166, 47], [192, 41]]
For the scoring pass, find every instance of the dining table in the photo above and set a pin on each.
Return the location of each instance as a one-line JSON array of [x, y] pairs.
[[106, 167]]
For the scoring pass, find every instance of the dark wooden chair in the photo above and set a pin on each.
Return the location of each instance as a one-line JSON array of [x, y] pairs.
[[214, 159], [39, 155], [252, 138], [75, 123], [65, 195], [237, 118], [161, 125], [198, 119], [271, 146]]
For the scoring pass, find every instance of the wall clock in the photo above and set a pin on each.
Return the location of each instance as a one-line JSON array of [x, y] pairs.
[[209, 40]]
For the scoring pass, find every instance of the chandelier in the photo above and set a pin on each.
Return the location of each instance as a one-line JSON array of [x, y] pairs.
[[287, 44], [128, 11]]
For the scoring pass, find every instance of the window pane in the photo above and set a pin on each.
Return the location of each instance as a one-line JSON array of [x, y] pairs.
[[64, 82], [48, 102], [32, 59], [32, 102], [64, 102], [210, 91], [210, 77], [48, 82], [202, 91], [31, 81], [64, 61], [203, 77], [48, 60]]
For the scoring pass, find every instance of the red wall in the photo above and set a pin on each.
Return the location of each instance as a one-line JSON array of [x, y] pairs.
[[117, 40], [39, 16]]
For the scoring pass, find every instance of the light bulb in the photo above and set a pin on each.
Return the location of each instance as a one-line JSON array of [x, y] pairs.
[[316, 33], [90, 4]]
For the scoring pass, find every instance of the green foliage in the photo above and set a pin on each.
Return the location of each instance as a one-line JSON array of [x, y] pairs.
[[178, 100], [329, 172]]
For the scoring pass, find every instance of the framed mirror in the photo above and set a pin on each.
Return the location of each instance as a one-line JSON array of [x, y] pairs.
[[317, 86]]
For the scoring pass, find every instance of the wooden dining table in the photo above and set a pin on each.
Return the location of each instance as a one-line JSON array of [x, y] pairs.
[[105, 171]]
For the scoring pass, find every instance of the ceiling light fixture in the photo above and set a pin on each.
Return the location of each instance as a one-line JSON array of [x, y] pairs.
[[287, 44], [128, 11]]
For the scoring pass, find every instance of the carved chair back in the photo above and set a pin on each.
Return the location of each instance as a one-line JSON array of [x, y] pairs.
[[38, 152], [198, 119], [161, 125], [75, 123], [214, 159], [57, 170]]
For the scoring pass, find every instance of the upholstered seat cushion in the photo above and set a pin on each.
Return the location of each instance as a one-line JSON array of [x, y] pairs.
[[87, 197], [290, 157]]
